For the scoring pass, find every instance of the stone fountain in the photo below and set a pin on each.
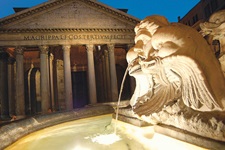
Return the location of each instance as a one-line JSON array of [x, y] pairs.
[[11, 132], [180, 86]]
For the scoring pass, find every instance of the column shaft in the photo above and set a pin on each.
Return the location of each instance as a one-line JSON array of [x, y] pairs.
[[113, 75], [91, 74], [108, 79], [67, 77], [11, 86], [45, 95], [51, 57], [104, 78], [4, 85], [20, 102]]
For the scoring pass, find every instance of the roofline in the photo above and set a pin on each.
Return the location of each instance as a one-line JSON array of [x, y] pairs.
[[38, 8], [190, 10], [57, 30]]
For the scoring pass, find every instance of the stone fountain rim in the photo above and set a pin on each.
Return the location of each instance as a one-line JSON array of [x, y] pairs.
[[13, 131]]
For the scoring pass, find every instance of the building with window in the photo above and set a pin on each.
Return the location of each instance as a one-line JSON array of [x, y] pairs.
[[201, 12]]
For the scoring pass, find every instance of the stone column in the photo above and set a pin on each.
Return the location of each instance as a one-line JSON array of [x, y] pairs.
[[91, 74], [4, 85], [51, 58], [67, 77], [108, 79], [11, 85], [20, 101], [113, 75], [104, 78], [45, 94]]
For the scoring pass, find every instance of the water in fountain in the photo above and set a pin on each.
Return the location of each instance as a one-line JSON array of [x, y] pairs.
[[108, 139]]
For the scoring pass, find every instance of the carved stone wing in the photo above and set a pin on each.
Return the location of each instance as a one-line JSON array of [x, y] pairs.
[[177, 77], [166, 88], [147, 105], [196, 91]]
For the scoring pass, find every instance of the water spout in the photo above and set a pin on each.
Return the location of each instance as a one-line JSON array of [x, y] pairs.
[[119, 98]]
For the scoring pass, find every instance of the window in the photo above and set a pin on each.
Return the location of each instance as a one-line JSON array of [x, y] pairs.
[[216, 47], [195, 18]]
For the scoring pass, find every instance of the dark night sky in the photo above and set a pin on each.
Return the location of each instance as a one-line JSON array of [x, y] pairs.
[[171, 9]]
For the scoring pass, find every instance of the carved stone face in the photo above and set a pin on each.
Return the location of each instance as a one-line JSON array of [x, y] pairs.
[[148, 47], [168, 58]]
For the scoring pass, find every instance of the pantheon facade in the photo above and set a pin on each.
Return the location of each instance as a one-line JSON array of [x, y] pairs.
[[63, 54]]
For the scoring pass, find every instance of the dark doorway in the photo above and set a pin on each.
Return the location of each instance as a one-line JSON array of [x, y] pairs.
[[80, 89], [32, 91]]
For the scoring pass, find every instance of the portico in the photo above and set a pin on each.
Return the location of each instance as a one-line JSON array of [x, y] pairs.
[[77, 49]]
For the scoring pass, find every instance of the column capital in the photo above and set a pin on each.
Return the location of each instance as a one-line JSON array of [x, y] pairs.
[[106, 52], [111, 47], [66, 47], [51, 56], [44, 49], [89, 47], [19, 50]]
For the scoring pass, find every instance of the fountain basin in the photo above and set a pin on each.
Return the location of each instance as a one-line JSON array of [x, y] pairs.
[[84, 130], [11, 132]]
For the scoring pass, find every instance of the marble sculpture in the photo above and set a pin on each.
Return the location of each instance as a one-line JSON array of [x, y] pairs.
[[179, 81]]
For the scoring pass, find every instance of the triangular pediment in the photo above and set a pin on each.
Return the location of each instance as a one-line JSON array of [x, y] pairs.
[[69, 14]]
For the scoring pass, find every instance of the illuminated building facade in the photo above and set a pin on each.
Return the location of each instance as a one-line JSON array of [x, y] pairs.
[[201, 12], [63, 54]]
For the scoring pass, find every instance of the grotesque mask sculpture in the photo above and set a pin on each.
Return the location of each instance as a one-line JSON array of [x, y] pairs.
[[176, 62], [173, 65]]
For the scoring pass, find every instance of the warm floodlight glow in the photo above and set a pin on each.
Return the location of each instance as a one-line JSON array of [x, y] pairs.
[[81, 148], [106, 139], [92, 133]]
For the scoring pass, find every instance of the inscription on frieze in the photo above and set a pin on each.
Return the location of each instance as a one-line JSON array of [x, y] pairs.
[[73, 37]]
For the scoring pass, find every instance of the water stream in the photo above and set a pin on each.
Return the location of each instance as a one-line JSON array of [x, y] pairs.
[[119, 99], [110, 138]]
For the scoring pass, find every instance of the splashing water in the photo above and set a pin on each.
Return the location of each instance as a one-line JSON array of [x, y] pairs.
[[107, 139]]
